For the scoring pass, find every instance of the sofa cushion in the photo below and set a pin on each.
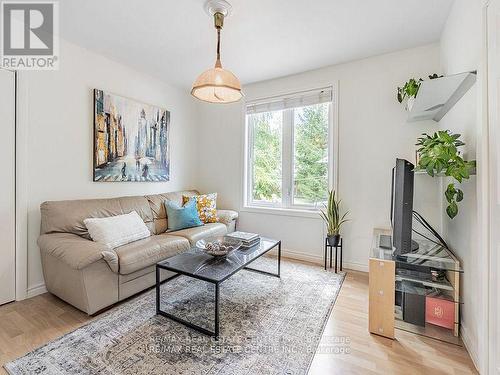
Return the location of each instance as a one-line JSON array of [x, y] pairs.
[[157, 206], [198, 233], [134, 275], [143, 253]]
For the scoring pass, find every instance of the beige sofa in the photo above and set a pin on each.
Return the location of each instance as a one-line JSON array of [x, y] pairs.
[[90, 276]]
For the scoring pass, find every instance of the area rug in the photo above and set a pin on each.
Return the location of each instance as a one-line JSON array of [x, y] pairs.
[[268, 326]]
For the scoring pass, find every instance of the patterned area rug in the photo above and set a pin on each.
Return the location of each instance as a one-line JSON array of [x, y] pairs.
[[268, 326]]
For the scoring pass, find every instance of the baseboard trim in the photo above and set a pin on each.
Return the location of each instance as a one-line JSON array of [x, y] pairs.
[[466, 339], [319, 260], [301, 256], [40, 288], [356, 266], [36, 290]]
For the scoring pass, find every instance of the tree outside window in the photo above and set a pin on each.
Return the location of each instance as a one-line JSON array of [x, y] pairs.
[[294, 138]]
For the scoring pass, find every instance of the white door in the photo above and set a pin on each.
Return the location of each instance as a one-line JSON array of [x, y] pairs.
[[7, 186], [493, 33]]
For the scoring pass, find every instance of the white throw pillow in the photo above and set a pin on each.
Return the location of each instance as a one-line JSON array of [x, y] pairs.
[[118, 230]]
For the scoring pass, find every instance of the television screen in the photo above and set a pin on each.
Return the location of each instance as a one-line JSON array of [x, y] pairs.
[[402, 206]]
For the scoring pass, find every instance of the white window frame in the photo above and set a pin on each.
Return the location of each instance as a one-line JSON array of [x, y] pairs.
[[286, 205]]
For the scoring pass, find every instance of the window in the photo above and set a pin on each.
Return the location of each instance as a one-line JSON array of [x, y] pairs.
[[289, 150]]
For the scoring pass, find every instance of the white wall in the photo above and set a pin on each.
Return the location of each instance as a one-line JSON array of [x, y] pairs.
[[58, 134], [372, 133], [461, 44]]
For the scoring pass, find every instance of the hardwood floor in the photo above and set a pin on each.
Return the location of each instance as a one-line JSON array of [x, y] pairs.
[[27, 324], [372, 354]]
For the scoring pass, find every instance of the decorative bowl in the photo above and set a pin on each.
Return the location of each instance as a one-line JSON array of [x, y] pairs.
[[218, 246]]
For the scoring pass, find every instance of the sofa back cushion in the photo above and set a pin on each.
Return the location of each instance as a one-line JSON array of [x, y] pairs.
[[157, 204], [68, 216]]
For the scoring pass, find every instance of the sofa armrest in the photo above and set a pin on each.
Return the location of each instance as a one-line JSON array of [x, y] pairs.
[[77, 252], [226, 216]]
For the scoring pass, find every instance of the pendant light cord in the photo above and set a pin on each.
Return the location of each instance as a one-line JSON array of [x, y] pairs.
[[217, 64], [218, 43], [218, 23]]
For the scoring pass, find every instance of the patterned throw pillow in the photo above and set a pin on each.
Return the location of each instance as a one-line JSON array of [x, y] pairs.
[[206, 204]]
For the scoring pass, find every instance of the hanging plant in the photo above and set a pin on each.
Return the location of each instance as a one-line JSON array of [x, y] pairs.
[[439, 153]]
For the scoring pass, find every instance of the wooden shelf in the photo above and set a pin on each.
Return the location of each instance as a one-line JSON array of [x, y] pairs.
[[437, 96]]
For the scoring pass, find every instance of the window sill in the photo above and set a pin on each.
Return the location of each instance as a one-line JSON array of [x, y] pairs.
[[312, 213]]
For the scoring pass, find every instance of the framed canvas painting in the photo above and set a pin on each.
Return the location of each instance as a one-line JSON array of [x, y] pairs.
[[131, 140]]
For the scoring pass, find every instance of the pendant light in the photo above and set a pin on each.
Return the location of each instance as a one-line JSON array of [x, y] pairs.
[[217, 85]]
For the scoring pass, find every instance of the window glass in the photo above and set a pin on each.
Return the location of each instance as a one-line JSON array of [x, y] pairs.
[[289, 161], [266, 161], [310, 154]]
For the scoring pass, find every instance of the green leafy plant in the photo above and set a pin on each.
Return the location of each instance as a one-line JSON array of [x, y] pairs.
[[411, 87], [434, 76], [332, 215], [439, 153], [409, 90]]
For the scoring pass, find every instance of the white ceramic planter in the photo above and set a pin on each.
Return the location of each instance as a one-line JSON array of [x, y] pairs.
[[409, 103]]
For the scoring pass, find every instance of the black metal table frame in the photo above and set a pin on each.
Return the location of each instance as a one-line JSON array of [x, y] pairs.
[[203, 330]]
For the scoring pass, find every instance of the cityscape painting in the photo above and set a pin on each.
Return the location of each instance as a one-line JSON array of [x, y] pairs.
[[131, 140]]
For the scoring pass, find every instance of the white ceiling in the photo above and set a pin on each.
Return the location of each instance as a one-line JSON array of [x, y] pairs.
[[262, 39]]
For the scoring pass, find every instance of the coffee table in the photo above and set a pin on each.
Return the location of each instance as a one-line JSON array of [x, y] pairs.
[[199, 265]]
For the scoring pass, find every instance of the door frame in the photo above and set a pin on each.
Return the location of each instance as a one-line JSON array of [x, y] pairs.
[[16, 214], [22, 122], [491, 112]]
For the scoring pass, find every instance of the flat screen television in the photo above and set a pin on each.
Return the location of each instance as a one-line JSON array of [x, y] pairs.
[[402, 207]]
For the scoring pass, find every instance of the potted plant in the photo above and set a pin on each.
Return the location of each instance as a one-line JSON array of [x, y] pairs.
[[410, 89], [439, 153], [409, 92], [333, 218]]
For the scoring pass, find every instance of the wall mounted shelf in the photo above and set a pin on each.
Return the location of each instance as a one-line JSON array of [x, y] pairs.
[[437, 96], [424, 172]]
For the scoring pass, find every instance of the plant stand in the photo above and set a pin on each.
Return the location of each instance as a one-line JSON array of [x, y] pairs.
[[331, 253]]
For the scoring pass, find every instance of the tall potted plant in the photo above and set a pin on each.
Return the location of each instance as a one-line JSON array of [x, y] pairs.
[[333, 218]]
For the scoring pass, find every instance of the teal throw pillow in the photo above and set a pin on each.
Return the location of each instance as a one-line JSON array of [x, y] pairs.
[[182, 217]]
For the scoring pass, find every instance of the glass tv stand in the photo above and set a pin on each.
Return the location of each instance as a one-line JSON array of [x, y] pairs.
[[418, 292]]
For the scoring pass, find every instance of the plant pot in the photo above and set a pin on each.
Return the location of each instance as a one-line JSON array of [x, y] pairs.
[[334, 240], [409, 103]]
